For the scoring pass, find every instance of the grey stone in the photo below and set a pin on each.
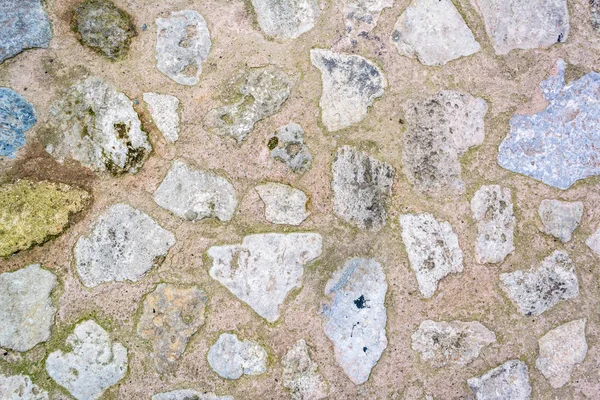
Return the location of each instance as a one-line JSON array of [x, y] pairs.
[[194, 194], [350, 85], [231, 358], [361, 16], [286, 19], [288, 146], [432, 248], [355, 320], [283, 204], [20, 387], [123, 245], [560, 218], [361, 187], [264, 268], [595, 11], [510, 381], [539, 289], [17, 116], [182, 45], [593, 242], [164, 110], [188, 394], [300, 374]]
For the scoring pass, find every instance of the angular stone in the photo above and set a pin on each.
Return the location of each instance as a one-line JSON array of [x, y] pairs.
[[288, 146], [451, 343], [182, 45], [20, 387], [361, 16], [560, 350], [595, 10], [286, 19], [23, 25], [433, 32], [34, 212], [539, 289], [350, 85], [300, 374], [194, 194], [510, 381], [283, 204], [432, 248], [231, 358], [264, 268], [123, 245], [165, 114], [493, 210], [361, 187], [17, 116], [97, 126], [260, 95], [188, 394], [524, 24], [27, 312], [355, 319], [93, 365], [170, 316], [560, 218], [593, 242]]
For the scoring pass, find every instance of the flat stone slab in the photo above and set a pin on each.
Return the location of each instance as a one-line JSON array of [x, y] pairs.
[[20, 387], [264, 268], [593, 242], [288, 146], [23, 25], [188, 394], [560, 218], [355, 320], [283, 204], [300, 374], [286, 19], [361, 17], [164, 110], [510, 381], [231, 358], [17, 116], [124, 244]]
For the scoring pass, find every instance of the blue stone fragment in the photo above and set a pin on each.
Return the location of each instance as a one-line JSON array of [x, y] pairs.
[[16, 117], [23, 25]]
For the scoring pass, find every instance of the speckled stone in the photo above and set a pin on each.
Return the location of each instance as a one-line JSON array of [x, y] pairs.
[[286, 19], [231, 358], [284, 205], [20, 387], [288, 146], [23, 25], [361, 17], [188, 394], [164, 109], [17, 116], [510, 381], [560, 218], [300, 374]]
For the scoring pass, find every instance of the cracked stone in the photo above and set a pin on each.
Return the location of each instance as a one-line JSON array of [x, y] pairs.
[[164, 110], [188, 394], [20, 387], [300, 374], [510, 381], [288, 146], [231, 358], [287, 19], [283, 204], [17, 116], [361, 16], [560, 218]]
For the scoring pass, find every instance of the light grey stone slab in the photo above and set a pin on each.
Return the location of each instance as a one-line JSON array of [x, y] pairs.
[[560, 218], [593, 242], [283, 204], [361, 17], [510, 381], [164, 110], [286, 19], [300, 374], [288, 146], [20, 387], [188, 394], [231, 358]]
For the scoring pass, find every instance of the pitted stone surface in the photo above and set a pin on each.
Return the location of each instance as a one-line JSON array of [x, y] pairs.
[[264, 268], [283, 204], [361, 16], [355, 320], [231, 358], [286, 19], [123, 245], [20, 387], [510, 381], [539, 289], [288, 146], [188, 394], [300, 374], [350, 85], [432, 248], [165, 114], [17, 116], [560, 218]]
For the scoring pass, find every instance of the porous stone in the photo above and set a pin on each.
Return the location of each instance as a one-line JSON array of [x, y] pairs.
[[300, 374], [194, 194], [93, 365], [560, 350], [433, 32], [510, 381], [165, 114], [283, 204], [361, 16], [350, 85], [361, 187], [27, 312], [231, 358], [23, 25], [188, 394], [560, 218], [34, 212], [539, 289], [288, 146], [432, 248], [286, 19], [182, 45], [264, 268], [493, 210], [123, 245], [355, 320], [524, 24], [20, 387], [97, 126], [17, 116], [170, 316]]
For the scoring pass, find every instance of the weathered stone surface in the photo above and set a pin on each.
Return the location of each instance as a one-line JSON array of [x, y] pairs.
[[17, 116], [524, 24], [451, 343], [286, 19], [540, 289], [350, 85], [300, 374], [182, 45], [264, 268], [355, 320], [510, 381], [260, 95], [361, 187], [440, 130], [595, 10], [493, 210], [288, 146], [97, 126], [33, 212], [20, 387], [170, 316], [231, 358], [23, 25], [560, 218], [593, 242], [165, 114], [188, 394], [123, 245], [283, 204], [194, 194], [361, 16], [432, 248], [433, 32], [560, 350], [94, 364]]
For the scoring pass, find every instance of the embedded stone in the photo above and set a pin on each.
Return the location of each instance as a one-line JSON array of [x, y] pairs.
[[300, 374], [231, 358], [287, 19], [595, 11], [510, 381], [593, 242], [23, 25], [264, 268], [361, 16], [17, 116], [188, 394], [283, 204], [164, 110], [288, 146], [20, 387], [560, 218]]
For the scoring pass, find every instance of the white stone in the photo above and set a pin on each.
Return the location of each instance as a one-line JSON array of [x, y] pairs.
[[20, 387], [361, 16], [300, 374], [283, 204], [286, 19], [510, 381], [231, 358], [593, 242], [560, 218], [290, 148], [164, 110], [188, 394]]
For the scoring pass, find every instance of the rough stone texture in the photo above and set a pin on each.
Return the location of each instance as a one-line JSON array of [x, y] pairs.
[[231, 358], [540, 289], [194, 194], [560, 350], [165, 114], [361, 188], [17, 116], [34, 212], [182, 45], [300, 374], [123, 245], [350, 85], [288, 146], [595, 10], [97, 126], [93, 365], [492, 208], [510, 381], [361, 16], [283, 204], [433, 32], [593, 242], [188, 394], [440, 130], [524, 24], [264, 268], [286, 19], [560, 218], [355, 320], [20, 387], [170, 316]]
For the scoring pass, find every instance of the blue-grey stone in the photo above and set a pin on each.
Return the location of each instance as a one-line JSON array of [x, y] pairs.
[[16, 117], [23, 25]]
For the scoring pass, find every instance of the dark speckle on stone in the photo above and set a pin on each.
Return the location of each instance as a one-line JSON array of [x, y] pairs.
[[361, 302]]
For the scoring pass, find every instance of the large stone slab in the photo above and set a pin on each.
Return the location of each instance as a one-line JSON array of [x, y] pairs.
[[164, 110], [20, 387], [231, 358], [286, 19], [560, 218], [283, 204], [361, 17], [23, 25], [188, 394], [17, 116], [288, 146], [510, 381], [300, 374]]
